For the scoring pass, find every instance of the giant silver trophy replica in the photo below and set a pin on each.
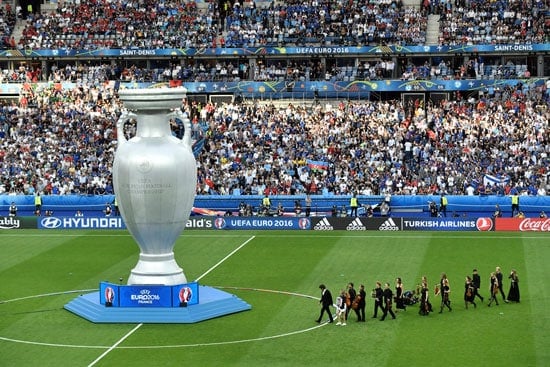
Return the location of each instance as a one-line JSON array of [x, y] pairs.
[[154, 177]]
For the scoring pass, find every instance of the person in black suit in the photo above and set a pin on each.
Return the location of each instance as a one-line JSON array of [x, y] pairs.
[[388, 299], [378, 295], [476, 281], [325, 301], [498, 274], [351, 295], [362, 303]]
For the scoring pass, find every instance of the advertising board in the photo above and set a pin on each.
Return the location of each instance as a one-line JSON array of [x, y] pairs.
[[448, 224], [81, 223], [523, 224], [116, 295], [301, 223], [17, 223]]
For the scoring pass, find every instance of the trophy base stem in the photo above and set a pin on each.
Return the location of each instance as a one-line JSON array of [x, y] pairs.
[[157, 269]]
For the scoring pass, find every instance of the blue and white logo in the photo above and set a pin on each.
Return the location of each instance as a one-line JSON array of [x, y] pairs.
[[50, 222]]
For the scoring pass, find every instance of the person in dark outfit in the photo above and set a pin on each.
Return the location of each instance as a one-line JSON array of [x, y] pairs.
[[325, 301], [388, 299], [362, 303], [469, 292], [433, 209], [378, 299], [399, 301], [351, 295], [445, 295], [493, 290], [498, 274], [425, 305], [498, 212], [476, 281], [513, 293], [13, 209]]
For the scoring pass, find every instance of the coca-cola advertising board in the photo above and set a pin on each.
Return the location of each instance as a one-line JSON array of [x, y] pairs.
[[523, 224]]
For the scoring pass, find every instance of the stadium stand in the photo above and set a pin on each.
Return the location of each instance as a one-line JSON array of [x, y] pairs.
[[61, 141]]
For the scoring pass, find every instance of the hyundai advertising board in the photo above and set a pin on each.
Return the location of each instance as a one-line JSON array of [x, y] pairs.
[[81, 223]]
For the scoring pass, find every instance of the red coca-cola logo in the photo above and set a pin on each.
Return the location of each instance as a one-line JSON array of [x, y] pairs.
[[484, 224], [535, 225]]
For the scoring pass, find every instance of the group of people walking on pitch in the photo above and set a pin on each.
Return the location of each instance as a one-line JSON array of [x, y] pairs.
[[384, 298]]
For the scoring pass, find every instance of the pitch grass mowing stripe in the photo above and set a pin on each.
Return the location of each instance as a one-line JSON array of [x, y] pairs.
[[535, 281]]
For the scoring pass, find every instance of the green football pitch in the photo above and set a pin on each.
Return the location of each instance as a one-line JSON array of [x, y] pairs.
[[278, 274]]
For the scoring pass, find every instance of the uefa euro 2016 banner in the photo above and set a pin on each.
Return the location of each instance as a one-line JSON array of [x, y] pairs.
[[273, 51], [143, 295]]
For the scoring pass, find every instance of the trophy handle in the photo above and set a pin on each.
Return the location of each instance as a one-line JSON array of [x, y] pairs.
[[186, 140], [125, 116]]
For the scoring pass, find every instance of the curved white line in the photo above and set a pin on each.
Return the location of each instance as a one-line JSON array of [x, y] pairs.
[[109, 348]]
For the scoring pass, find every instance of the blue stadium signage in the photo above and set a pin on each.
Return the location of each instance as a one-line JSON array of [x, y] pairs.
[[145, 296], [81, 223], [261, 223], [439, 224], [180, 295], [222, 51], [250, 89]]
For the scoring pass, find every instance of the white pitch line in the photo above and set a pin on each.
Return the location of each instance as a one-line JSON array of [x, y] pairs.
[[195, 344], [139, 325], [114, 345], [225, 258]]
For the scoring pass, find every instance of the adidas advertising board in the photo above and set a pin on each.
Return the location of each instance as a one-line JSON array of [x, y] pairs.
[[389, 224], [356, 224], [322, 224]]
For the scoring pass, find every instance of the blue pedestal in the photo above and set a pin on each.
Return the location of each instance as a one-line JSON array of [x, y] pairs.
[[213, 303]]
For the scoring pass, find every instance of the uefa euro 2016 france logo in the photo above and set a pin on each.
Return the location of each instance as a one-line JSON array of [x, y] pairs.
[[219, 223], [185, 296], [109, 296]]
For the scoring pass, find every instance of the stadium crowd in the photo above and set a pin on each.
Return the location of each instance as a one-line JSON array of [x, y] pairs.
[[58, 141], [99, 24], [147, 24]]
